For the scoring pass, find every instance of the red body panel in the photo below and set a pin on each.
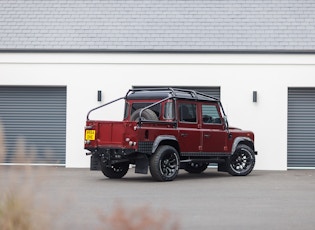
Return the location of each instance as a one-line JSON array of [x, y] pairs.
[[118, 134], [111, 134]]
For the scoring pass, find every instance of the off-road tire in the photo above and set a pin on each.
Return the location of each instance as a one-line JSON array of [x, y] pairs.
[[116, 171], [242, 161], [164, 163], [147, 114], [196, 167]]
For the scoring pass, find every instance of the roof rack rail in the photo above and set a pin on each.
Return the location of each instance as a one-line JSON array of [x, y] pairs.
[[172, 90]]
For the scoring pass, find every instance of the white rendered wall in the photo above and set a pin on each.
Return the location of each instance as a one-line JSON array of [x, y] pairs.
[[237, 76]]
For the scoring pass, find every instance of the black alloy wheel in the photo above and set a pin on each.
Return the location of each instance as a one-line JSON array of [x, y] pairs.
[[242, 161], [164, 163]]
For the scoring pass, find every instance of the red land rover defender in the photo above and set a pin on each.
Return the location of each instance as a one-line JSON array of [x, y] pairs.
[[167, 129]]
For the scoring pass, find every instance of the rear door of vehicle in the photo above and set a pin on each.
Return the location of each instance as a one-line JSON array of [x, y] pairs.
[[188, 128]]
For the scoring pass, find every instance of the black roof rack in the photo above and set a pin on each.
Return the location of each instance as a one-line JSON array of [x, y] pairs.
[[174, 92]]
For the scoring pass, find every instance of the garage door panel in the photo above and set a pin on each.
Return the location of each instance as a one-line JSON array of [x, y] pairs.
[[301, 127], [34, 121]]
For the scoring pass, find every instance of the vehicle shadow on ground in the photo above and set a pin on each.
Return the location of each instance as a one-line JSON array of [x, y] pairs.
[[182, 176]]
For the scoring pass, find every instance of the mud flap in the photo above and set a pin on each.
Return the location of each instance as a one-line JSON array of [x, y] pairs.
[[142, 164], [95, 163]]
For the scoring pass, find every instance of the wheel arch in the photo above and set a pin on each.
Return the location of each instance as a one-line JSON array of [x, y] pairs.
[[243, 140], [165, 140]]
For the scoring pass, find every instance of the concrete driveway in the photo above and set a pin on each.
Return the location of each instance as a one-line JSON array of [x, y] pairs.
[[79, 198]]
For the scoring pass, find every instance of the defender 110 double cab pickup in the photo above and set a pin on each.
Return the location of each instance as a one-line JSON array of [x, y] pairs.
[[167, 129]]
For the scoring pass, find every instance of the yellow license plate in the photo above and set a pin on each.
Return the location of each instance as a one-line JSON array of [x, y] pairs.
[[90, 135]]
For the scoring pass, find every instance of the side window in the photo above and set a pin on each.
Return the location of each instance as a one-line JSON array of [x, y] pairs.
[[210, 114], [169, 111], [187, 112]]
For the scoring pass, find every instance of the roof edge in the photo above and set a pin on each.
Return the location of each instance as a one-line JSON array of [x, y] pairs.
[[170, 51]]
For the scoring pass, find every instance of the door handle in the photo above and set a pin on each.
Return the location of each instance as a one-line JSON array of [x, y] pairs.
[[184, 134], [207, 135]]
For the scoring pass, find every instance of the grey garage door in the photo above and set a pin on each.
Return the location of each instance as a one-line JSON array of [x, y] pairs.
[[33, 124], [301, 127], [211, 91]]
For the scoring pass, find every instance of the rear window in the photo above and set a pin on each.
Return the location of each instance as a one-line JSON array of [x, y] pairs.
[[156, 108], [126, 110]]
